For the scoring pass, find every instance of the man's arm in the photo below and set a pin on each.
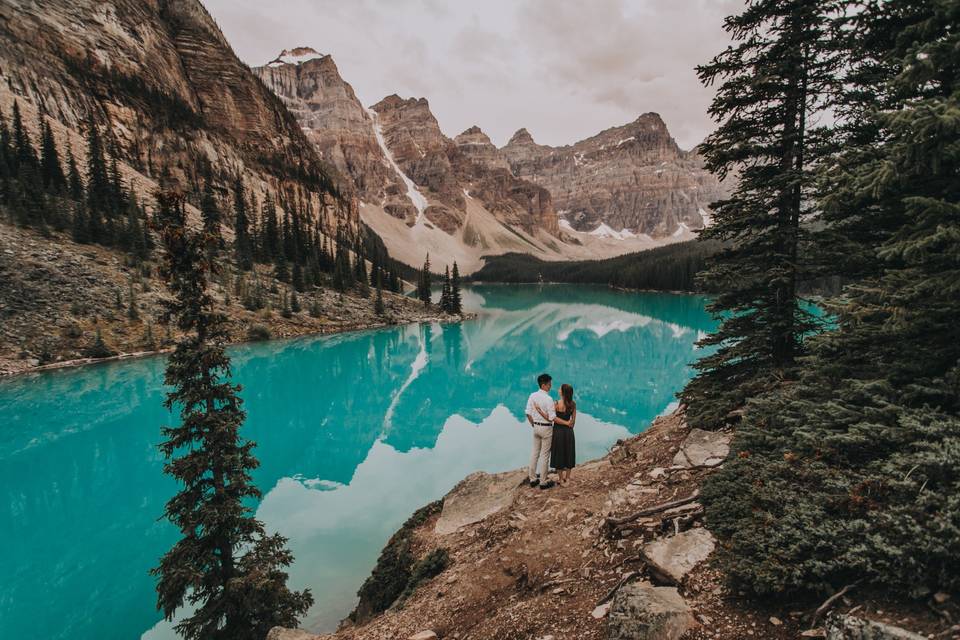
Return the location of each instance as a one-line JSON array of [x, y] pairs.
[[529, 410]]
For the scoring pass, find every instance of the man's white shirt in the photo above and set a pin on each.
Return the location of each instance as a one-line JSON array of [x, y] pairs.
[[542, 399]]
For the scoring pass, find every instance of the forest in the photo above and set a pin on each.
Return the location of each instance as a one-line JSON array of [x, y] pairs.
[[670, 268]]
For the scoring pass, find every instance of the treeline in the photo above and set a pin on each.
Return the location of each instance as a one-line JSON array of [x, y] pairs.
[[844, 469], [45, 189], [300, 250], [669, 268]]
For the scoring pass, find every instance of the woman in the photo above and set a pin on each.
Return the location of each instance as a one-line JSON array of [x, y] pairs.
[[563, 453]]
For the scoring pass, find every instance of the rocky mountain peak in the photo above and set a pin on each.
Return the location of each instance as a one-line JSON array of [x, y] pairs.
[[296, 56], [522, 136], [473, 135]]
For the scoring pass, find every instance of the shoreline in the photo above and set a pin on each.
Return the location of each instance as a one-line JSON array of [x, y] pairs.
[[137, 355]]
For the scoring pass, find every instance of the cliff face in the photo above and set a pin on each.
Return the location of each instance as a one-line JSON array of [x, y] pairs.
[[335, 122], [469, 166], [165, 81], [632, 177]]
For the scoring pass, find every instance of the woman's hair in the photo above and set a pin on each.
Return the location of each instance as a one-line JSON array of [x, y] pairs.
[[566, 392]]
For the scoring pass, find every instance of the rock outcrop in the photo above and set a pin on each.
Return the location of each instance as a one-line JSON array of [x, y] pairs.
[[334, 120], [632, 177], [163, 83], [476, 497], [641, 611], [673, 558], [703, 449]]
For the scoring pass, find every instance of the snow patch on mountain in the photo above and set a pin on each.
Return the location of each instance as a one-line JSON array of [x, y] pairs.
[[416, 198], [298, 55]]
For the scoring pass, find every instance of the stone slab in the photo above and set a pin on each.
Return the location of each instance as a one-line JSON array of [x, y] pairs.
[[476, 497]]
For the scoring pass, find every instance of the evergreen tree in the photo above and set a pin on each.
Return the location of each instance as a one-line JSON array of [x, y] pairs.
[[98, 185], [281, 270], [225, 565], [445, 305], [780, 69], [378, 306], [271, 232], [50, 169], [296, 279], [23, 151], [423, 283], [74, 181], [243, 242], [295, 302], [456, 302], [850, 474]]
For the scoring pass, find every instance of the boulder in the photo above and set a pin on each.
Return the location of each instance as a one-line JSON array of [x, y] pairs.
[[703, 449], [423, 635], [641, 611], [674, 557], [842, 627], [478, 496]]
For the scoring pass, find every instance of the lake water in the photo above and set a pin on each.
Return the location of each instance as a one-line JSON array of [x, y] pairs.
[[353, 433]]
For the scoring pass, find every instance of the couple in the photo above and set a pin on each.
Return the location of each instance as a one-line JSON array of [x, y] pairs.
[[553, 442]]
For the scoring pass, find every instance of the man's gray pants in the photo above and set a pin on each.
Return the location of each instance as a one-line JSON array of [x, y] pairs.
[[540, 456]]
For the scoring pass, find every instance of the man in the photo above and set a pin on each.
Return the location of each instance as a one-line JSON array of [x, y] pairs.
[[540, 414]]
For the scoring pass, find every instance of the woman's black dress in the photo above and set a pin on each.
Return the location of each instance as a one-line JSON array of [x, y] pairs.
[[563, 451]]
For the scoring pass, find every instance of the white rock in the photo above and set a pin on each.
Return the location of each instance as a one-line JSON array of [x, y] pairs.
[[423, 635], [601, 611], [676, 556], [476, 497], [703, 449]]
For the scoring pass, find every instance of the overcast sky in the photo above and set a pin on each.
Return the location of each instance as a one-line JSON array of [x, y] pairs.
[[564, 69]]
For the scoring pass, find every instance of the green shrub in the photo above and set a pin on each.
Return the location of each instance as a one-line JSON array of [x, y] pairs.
[[258, 333], [389, 579], [429, 566]]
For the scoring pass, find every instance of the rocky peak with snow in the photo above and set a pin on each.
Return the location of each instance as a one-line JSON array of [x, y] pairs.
[[297, 55]]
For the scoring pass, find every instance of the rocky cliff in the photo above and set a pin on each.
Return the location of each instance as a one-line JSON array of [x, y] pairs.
[[632, 177], [162, 79]]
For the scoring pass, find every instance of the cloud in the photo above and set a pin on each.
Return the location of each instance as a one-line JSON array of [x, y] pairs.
[[564, 69]]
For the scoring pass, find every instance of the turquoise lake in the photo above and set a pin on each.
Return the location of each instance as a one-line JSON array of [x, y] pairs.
[[353, 433]]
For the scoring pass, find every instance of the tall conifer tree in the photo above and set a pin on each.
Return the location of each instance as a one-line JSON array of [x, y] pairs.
[[780, 69], [225, 565]]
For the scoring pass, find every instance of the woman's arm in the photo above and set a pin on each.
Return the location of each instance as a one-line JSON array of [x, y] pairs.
[[573, 418], [542, 413]]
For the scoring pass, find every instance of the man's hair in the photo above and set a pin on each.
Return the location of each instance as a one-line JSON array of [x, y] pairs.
[[543, 379]]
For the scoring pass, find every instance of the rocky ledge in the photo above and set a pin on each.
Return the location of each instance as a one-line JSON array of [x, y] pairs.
[[621, 553]]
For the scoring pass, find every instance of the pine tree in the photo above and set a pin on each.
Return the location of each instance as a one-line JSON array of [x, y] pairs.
[[243, 242], [456, 302], [296, 279], [295, 302], [378, 306], [424, 284], [50, 169], [271, 233], [225, 564], [780, 69], [445, 305], [74, 181], [850, 474], [98, 185]]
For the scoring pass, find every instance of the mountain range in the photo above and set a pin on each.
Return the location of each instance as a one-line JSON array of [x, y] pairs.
[[179, 105], [625, 189]]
